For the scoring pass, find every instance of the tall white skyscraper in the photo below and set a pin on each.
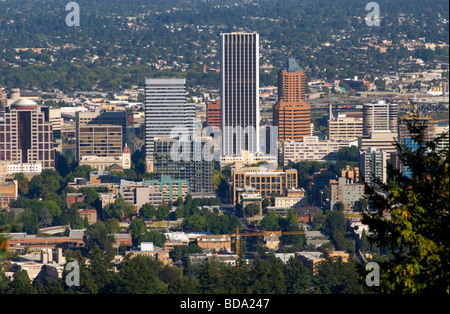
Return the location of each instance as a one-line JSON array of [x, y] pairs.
[[166, 109], [379, 116], [240, 93]]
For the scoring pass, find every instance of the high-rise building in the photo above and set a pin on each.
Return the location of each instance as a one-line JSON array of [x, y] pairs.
[[99, 140], [240, 93], [345, 127], [406, 138], [189, 165], [379, 116], [291, 114], [100, 118], [213, 114], [384, 140], [440, 131], [26, 135], [3, 98], [372, 165], [166, 110]]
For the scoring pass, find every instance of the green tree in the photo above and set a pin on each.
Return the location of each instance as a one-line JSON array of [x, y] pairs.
[[21, 284], [251, 210], [154, 236], [163, 211], [98, 234], [270, 222], [195, 223], [139, 275], [416, 234], [334, 276], [112, 225], [137, 228], [297, 277], [119, 209], [101, 269], [22, 182], [28, 222], [147, 211]]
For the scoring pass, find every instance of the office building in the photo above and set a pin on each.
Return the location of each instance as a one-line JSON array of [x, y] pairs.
[[103, 163], [311, 148], [188, 163], [406, 138], [3, 98], [264, 181], [383, 140], [372, 164], [291, 114], [345, 127], [439, 131], [213, 114], [99, 140], [379, 116], [166, 111], [99, 119], [240, 93], [26, 135]]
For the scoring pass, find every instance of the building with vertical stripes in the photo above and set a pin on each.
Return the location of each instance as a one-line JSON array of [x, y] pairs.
[[26, 135], [166, 109], [240, 93]]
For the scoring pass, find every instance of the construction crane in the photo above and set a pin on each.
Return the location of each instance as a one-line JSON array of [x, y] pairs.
[[409, 105], [258, 234]]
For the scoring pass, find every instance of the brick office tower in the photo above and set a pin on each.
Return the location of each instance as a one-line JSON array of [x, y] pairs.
[[213, 114], [26, 135], [291, 114]]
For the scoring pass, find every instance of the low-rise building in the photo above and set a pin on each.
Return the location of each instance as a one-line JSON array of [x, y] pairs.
[[9, 191], [345, 191], [148, 249], [73, 198], [214, 242], [264, 181], [89, 214], [311, 148]]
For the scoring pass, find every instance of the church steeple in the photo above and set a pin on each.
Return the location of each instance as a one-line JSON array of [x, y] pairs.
[[126, 157]]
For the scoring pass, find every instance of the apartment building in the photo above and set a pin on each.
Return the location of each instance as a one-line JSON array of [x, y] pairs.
[[346, 191]]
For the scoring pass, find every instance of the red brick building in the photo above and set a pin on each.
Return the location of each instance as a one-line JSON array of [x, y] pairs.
[[213, 114]]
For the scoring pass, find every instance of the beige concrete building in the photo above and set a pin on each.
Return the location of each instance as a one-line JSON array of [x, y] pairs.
[[90, 214], [263, 180], [345, 128], [311, 148], [214, 242], [383, 140], [9, 191]]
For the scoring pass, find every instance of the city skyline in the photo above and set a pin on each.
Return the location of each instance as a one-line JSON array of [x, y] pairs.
[[185, 148]]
